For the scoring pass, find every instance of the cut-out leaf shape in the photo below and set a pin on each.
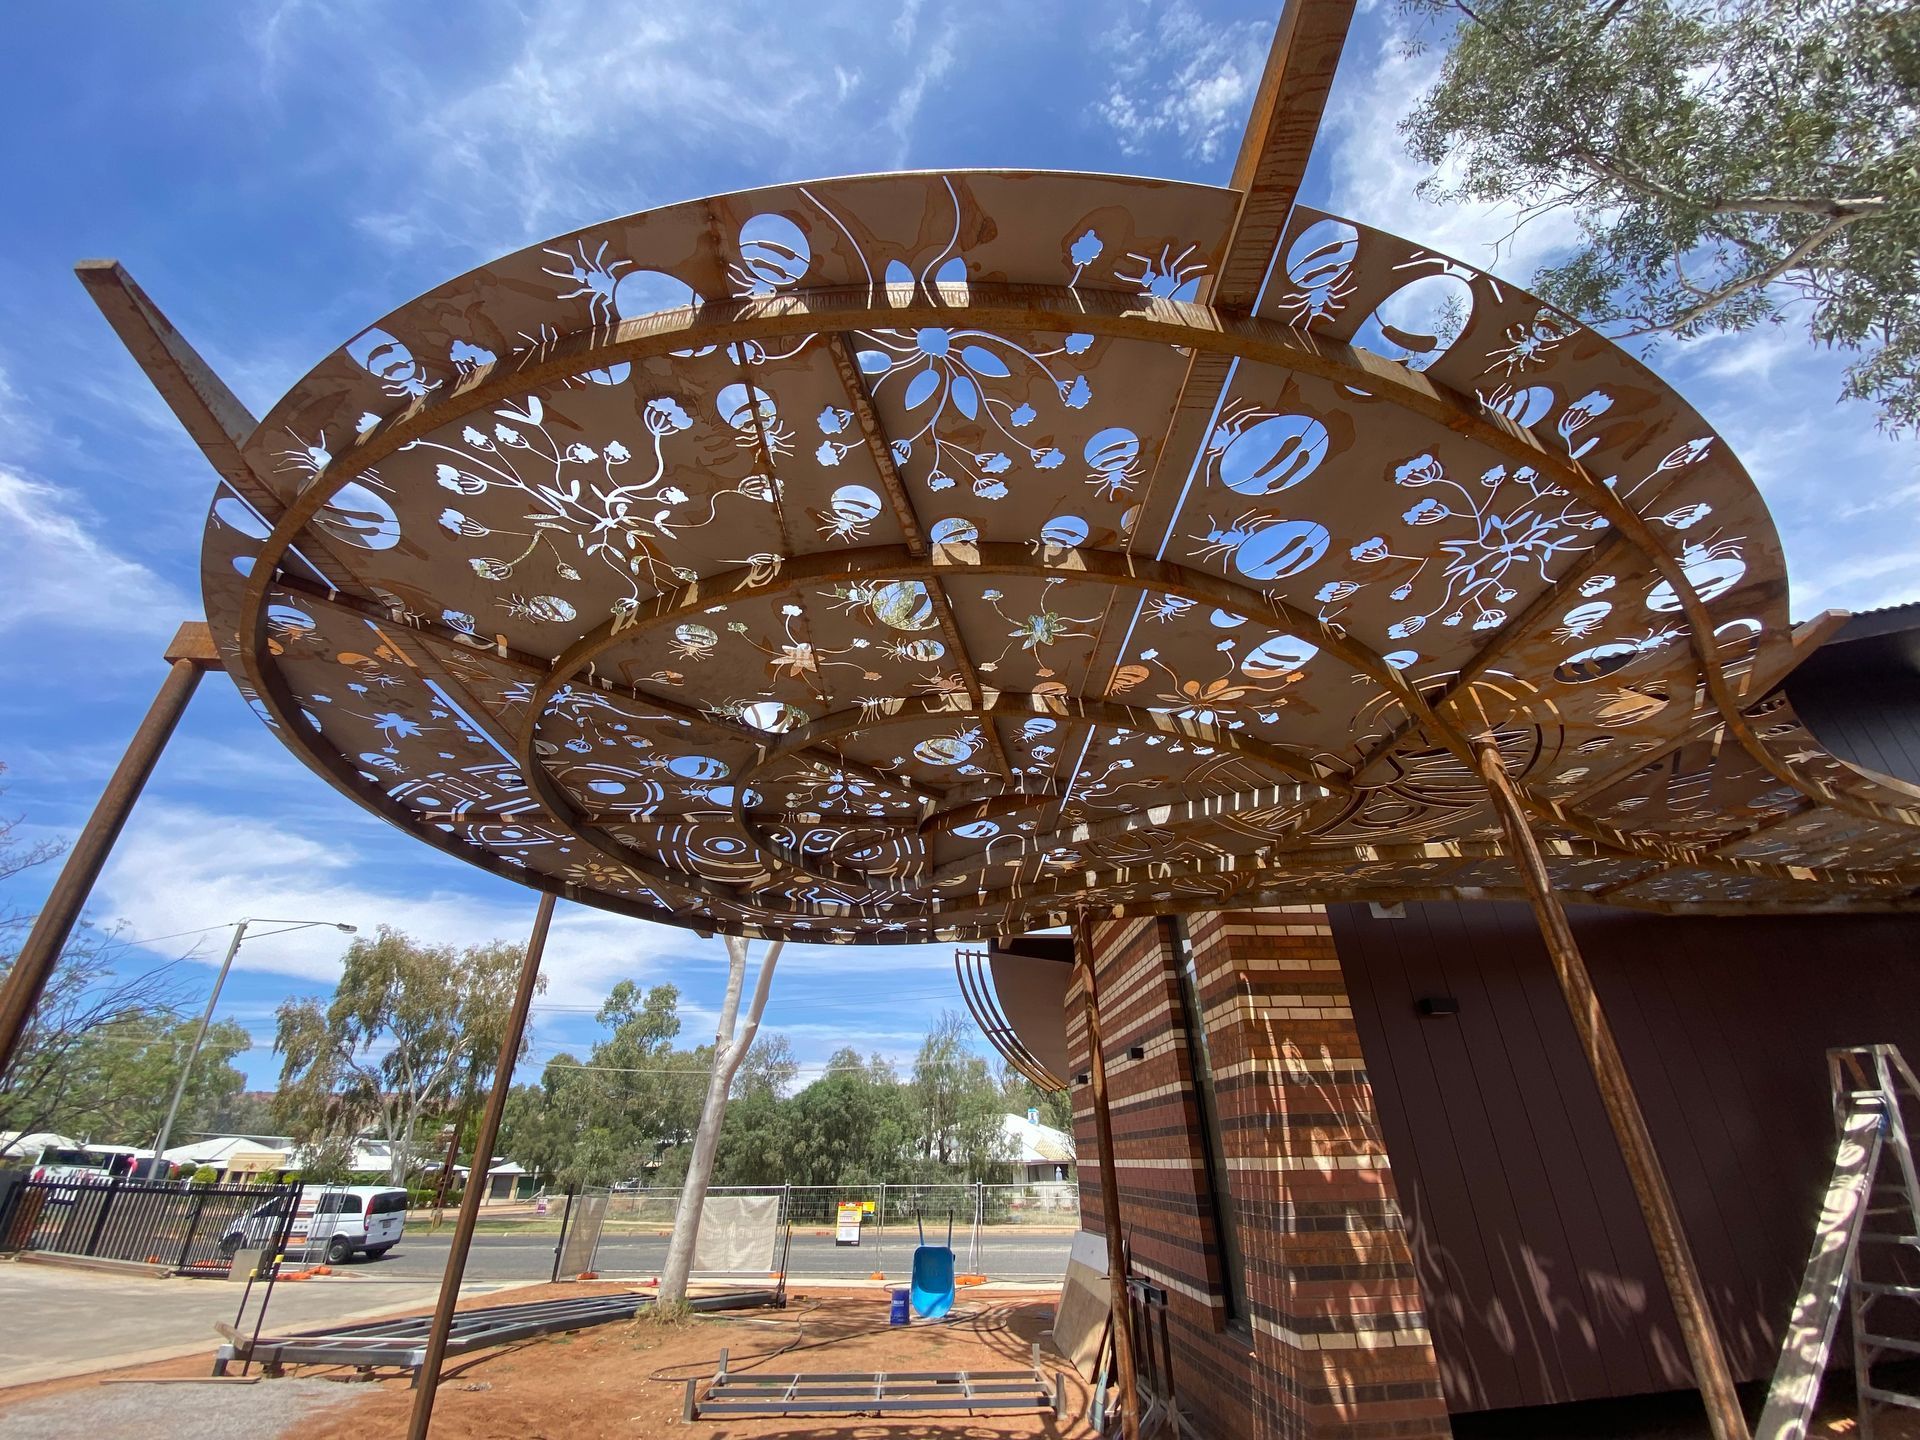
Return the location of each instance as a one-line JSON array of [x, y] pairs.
[[899, 274], [1127, 677], [954, 272], [874, 362], [528, 416], [983, 361], [922, 387], [966, 397]]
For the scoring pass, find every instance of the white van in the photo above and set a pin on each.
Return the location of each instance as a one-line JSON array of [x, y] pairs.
[[347, 1219]]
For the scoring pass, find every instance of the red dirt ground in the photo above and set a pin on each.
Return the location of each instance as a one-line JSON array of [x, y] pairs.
[[601, 1382]]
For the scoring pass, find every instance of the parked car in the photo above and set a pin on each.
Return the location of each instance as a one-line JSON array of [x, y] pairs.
[[348, 1219]]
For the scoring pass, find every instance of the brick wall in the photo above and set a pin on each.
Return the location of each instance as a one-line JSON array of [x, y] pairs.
[[1335, 1346]]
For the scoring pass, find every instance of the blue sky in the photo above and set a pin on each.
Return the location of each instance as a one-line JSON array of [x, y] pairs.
[[275, 176]]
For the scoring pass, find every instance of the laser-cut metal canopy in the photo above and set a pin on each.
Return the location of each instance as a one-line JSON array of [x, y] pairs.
[[932, 555], [842, 561]]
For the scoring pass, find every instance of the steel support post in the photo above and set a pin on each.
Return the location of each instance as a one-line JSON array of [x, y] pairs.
[[1623, 1108], [428, 1379], [1109, 1183], [192, 653]]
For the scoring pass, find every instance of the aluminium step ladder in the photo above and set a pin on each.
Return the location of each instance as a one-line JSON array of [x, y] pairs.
[[1866, 1249]]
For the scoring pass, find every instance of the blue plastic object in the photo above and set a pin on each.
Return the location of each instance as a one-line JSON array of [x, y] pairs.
[[899, 1315], [933, 1275]]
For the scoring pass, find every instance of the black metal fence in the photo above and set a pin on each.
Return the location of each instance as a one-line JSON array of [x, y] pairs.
[[149, 1222]]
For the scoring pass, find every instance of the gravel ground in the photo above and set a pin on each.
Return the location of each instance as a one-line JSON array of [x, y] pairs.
[[175, 1412]]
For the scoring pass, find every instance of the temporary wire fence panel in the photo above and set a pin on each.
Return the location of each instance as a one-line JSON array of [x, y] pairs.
[[580, 1231], [1001, 1232], [147, 1222]]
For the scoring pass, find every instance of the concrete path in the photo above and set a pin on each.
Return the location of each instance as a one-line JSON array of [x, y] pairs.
[[62, 1321], [175, 1412]]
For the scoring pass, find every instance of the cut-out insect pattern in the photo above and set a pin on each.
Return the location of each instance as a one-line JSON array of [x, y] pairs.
[[1257, 451], [1320, 265]]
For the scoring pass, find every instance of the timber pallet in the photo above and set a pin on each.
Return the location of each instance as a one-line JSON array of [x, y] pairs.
[[880, 1392]]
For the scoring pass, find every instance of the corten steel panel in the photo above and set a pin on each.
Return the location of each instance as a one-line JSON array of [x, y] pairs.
[[849, 561], [1033, 996], [1541, 1284]]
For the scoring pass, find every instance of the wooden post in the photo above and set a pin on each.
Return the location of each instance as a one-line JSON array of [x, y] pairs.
[[1623, 1109], [428, 1380], [192, 653], [1109, 1184]]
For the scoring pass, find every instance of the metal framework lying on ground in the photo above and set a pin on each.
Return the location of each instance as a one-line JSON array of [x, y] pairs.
[[917, 1392], [939, 556], [401, 1342]]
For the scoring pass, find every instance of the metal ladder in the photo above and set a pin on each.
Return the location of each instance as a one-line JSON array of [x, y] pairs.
[[1866, 1247]]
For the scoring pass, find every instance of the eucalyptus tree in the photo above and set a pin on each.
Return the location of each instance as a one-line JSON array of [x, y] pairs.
[[1728, 163], [412, 1029]]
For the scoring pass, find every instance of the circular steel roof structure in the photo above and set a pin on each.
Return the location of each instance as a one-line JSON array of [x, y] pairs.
[[931, 555]]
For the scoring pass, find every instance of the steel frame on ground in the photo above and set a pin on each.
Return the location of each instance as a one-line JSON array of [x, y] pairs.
[[401, 1342]]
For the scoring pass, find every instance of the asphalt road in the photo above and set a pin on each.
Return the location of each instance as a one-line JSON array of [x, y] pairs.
[[1005, 1254]]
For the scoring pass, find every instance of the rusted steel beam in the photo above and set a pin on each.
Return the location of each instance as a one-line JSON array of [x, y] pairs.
[[1122, 1314], [1623, 1107], [428, 1379], [211, 414], [191, 654], [1279, 139]]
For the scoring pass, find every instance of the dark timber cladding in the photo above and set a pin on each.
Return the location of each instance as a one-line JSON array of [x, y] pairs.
[[1860, 692], [1537, 1272]]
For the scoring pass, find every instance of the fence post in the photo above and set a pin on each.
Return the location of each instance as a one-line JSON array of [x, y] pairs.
[[100, 1222], [193, 1228]]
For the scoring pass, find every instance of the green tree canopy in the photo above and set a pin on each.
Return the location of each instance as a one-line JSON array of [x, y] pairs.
[[1728, 162], [413, 1031]]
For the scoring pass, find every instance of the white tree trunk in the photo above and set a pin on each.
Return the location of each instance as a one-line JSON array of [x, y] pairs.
[[728, 1051]]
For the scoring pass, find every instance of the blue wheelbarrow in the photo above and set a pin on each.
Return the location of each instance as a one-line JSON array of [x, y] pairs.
[[932, 1289]]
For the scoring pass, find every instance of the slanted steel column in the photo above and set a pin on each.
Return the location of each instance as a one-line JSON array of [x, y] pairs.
[[428, 1380], [1109, 1183], [1623, 1108], [192, 654]]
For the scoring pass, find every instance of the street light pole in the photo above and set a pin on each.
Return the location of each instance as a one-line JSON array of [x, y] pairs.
[[206, 1019]]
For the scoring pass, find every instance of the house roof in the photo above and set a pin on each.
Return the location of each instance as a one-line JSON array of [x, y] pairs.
[[1037, 1144]]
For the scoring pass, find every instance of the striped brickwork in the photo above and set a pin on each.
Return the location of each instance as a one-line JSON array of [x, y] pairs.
[[1335, 1346]]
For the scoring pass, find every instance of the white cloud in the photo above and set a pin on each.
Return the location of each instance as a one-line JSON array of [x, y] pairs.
[[573, 110], [1374, 180], [60, 575], [1176, 75], [179, 867]]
